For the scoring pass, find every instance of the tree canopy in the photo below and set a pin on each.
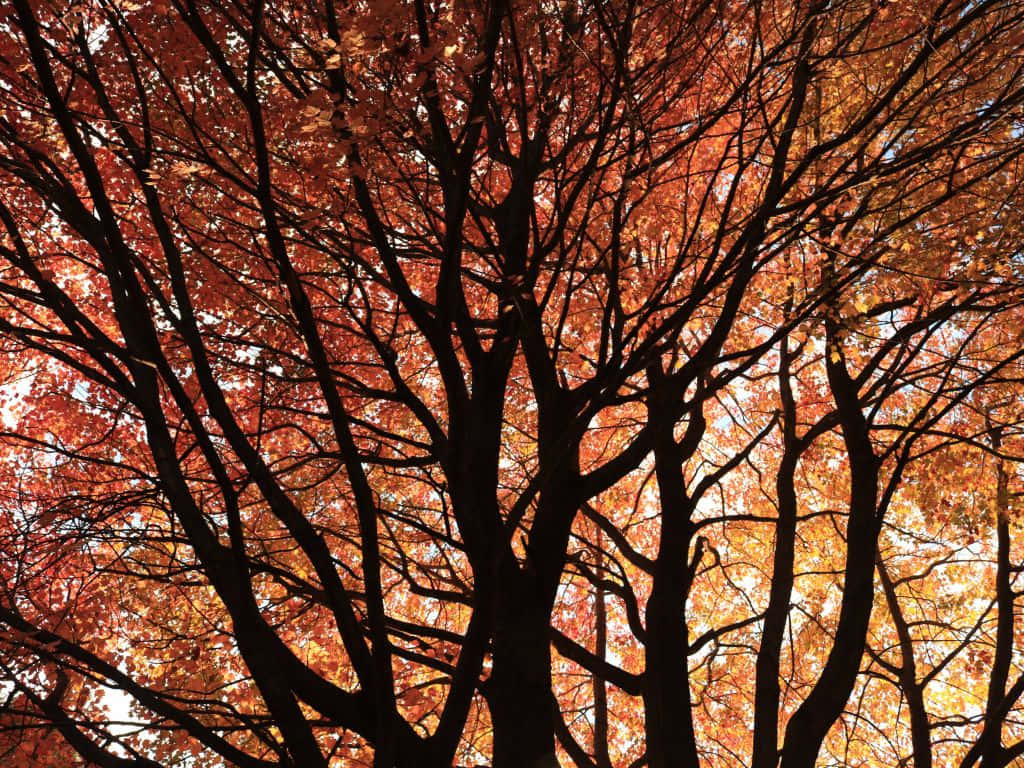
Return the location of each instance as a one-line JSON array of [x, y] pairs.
[[423, 383]]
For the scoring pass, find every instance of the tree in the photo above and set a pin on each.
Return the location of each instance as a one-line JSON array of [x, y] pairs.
[[427, 384]]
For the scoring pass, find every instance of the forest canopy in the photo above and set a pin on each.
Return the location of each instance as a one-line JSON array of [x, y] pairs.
[[432, 383]]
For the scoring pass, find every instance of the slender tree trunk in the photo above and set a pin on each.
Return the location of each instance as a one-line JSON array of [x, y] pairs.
[[913, 691], [992, 736], [671, 742], [766, 686], [811, 722], [602, 758]]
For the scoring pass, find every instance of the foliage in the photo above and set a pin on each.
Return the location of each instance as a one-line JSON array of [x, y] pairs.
[[408, 383]]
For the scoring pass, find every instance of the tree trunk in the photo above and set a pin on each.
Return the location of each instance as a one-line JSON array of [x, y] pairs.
[[671, 742], [519, 690], [811, 722]]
